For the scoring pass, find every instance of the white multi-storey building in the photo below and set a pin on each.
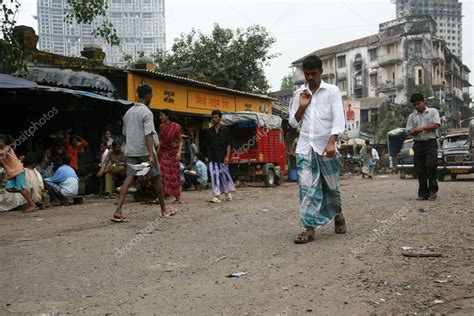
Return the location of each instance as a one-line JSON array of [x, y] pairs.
[[405, 57], [140, 25], [446, 13]]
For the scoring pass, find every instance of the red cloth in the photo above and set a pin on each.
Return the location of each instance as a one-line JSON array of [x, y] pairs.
[[350, 115], [170, 137], [72, 152]]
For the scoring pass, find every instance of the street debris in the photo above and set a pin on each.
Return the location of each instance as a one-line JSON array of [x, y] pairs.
[[406, 248], [221, 258], [236, 274], [441, 281], [438, 301], [422, 254]]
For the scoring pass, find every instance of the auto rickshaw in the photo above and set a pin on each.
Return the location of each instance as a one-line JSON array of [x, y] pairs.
[[258, 147]]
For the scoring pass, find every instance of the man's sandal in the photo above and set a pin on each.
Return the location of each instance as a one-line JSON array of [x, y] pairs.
[[340, 224], [120, 219], [169, 211], [304, 238]]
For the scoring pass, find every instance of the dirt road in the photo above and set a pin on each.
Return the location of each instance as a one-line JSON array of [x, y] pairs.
[[74, 260]]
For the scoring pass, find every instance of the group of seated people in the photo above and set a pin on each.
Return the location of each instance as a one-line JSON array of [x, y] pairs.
[[28, 179], [53, 174]]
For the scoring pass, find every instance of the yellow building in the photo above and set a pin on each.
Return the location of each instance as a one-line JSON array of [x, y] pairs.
[[192, 101]]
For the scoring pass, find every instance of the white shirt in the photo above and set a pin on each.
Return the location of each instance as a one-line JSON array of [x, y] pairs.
[[322, 118], [375, 154]]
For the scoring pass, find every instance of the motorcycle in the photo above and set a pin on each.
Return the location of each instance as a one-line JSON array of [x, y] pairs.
[[351, 165]]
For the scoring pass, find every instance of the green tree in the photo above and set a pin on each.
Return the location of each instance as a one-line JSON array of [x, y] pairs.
[[287, 82], [389, 122], [10, 53], [79, 11], [226, 57]]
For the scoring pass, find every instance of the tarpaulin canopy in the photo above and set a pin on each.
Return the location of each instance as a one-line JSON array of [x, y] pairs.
[[8, 82], [12, 82], [261, 119], [81, 93], [69, 78]]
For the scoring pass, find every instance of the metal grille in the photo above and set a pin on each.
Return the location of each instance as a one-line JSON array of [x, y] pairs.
[[454, 158]]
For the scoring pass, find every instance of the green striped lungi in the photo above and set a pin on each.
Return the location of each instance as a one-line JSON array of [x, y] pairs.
[[320, 198]]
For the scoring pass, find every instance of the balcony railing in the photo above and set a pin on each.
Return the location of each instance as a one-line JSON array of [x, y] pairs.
[[389, 58], [389, 84]]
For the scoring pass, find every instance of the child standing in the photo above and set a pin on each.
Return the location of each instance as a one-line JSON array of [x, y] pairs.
[[14, 172]]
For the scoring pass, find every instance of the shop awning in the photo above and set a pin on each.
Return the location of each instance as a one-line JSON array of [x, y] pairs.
[[80, 93]]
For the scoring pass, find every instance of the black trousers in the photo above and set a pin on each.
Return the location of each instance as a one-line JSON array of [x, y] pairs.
[[425, 160], [190, 180]]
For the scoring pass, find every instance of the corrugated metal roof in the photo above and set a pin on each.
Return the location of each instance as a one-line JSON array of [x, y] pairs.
[[195, 83], [12, 82]]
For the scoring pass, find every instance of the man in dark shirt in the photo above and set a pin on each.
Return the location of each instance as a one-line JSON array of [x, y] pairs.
[[218, 144]]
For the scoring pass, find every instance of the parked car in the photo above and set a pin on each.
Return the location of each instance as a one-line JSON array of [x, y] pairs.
[[457, 156], [258, 147]]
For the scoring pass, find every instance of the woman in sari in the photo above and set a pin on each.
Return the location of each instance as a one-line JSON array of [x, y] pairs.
[[169, 155]]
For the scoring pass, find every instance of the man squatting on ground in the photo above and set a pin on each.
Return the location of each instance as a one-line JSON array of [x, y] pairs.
[[318, 113], [422, 125]]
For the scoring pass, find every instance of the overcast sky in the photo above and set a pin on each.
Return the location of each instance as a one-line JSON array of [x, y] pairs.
[[299, 27]]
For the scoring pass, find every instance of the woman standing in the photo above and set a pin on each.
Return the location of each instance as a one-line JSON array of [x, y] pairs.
[[169, 155]]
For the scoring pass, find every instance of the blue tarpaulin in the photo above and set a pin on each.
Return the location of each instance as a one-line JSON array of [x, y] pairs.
[[8, 82], [12, 82], [81, 93]]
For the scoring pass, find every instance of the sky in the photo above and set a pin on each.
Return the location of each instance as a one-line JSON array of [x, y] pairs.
[[299, 27]]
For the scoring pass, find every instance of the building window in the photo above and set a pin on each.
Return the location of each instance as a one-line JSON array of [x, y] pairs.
[[418, 47], [342, 85], [373, 54], [419, 75], [373, 80], [341, 61]]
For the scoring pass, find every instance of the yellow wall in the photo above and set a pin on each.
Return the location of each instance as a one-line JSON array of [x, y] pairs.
[[188, 99]]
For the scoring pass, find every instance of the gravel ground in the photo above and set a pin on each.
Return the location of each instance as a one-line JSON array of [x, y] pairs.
[[73, 260]]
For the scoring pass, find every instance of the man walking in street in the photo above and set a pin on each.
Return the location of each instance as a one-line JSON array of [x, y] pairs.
[[139, 130], [422, 125], [218, 144], [318, 113]]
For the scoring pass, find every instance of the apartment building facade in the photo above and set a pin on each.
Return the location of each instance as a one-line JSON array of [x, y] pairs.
[[446, 13], [405, 57], [140, 25]]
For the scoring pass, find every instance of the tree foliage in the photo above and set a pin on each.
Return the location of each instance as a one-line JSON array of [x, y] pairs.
[[287, 82], [85, 12], [226, 57], [10, 52], [389, 123], [79, 11]]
